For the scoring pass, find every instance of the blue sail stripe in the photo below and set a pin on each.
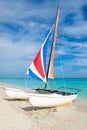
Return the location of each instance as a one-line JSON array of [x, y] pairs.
[[45, 49], [34, 75], [43, 58]]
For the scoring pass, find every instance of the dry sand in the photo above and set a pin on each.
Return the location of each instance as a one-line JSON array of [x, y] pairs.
[[20, 115]]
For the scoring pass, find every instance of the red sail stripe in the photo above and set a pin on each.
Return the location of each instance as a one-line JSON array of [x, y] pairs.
[[38, 64]]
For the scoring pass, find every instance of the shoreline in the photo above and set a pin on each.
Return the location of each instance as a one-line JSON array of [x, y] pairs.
[[3, 85], [20, 115]]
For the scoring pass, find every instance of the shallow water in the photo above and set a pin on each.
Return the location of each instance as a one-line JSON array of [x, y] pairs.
[[79, 83]]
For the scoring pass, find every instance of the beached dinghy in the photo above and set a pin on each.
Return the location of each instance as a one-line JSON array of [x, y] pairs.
[[44, 97]]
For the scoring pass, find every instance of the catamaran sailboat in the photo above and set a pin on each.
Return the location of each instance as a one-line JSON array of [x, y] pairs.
[[38, 70], [44, 97]]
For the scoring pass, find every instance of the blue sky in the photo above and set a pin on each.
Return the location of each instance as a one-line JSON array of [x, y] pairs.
[[24, 25]]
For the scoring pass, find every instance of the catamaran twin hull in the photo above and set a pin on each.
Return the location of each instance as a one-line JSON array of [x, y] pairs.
[[39, 69], [15, 93], [50, 100]]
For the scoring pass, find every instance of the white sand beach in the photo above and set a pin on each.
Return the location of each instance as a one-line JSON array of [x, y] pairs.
[[20, 115]]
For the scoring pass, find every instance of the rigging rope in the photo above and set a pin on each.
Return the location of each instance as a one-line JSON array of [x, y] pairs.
[[62, 72]]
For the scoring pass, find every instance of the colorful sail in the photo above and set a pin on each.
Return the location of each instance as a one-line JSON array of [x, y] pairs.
[[51, 60], [38, 67]]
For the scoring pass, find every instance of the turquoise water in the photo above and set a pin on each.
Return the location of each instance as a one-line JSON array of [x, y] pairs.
[[79, 83]]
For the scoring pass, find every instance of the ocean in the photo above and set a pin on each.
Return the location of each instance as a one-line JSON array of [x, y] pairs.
[[78, 83]]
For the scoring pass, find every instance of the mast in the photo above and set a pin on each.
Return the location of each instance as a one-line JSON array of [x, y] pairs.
[[51, 57]]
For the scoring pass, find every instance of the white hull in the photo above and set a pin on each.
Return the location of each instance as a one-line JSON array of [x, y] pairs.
[[15, 93], [50, 100]]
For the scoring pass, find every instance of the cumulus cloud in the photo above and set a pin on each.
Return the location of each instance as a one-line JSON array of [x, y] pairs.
[[24, 25]]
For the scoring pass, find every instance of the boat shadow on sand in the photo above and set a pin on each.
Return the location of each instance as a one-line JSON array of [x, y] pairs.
[[33, 108], [8, 99], [27, 108]]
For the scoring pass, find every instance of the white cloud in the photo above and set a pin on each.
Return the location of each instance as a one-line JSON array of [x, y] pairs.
[[19, 48], [81, 45], [77, 31], [61, 52]]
